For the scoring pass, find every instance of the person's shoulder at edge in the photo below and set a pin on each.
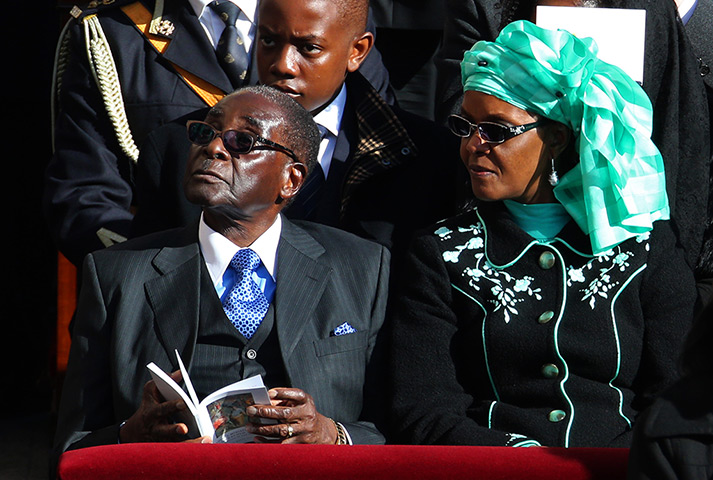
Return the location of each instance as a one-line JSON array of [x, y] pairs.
[[466, 216], [433, 142], [423, 129], [682, 409], [358, 86], [97, 7], [170, 238], [332, 238]]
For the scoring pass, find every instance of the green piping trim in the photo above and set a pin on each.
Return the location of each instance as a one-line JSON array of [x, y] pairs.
[[582, 254], [485, 246], [527, 443], [618, 349], [570, 420], [490, 414]]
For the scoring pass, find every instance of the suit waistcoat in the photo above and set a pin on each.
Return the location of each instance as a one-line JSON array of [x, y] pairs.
[[223, 356]]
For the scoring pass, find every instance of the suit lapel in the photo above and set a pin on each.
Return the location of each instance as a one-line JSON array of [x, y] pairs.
[[190, 48], [345, 137], [174, 297], [301, 280]]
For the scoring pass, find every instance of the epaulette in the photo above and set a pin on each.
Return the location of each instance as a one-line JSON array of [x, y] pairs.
[[103, 68], [93, 7], [101, 62]]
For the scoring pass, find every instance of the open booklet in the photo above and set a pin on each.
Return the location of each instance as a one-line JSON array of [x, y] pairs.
[[221, 415]]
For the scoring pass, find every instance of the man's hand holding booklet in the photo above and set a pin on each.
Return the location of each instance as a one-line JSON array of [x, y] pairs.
[[222, 414]]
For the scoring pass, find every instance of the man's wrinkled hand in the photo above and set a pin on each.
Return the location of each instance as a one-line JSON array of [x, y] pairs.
[[152, 422], [297, 419]]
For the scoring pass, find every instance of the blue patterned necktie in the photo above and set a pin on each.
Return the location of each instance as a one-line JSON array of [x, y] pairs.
[[230, 50], [245, 304]]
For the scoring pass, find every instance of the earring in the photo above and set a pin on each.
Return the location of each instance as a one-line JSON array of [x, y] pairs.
[[553, 178]]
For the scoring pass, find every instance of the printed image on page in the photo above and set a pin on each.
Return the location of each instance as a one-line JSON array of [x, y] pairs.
[[229, 418]]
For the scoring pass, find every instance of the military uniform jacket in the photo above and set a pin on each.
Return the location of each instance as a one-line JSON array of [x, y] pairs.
[[500, 339], [89, 179]]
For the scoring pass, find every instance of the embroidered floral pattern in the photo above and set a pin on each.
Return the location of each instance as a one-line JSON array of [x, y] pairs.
[[506, 290], [593, 280], [602, 284]]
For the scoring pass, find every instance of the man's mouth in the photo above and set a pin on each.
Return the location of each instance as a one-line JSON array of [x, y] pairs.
[[208, 175]]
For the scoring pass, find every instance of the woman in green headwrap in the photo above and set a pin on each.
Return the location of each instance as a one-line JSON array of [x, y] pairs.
[[552, 312]]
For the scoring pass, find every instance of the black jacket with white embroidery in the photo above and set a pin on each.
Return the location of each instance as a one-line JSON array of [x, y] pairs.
[[501, 339]]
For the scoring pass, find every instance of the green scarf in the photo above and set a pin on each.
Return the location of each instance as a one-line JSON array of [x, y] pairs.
[[618, 189]]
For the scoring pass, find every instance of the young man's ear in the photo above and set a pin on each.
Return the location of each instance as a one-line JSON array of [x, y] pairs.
[[361, 46]]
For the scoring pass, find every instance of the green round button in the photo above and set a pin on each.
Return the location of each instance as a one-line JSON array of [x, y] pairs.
[[556, 416], [547, 260], [546, 317], [550, 370]]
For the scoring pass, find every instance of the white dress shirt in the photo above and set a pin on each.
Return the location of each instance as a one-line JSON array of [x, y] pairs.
[[329, 121], [214, 26], [685, 9]]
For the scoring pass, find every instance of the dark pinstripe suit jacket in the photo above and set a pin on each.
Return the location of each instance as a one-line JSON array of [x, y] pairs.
[[141, 300]]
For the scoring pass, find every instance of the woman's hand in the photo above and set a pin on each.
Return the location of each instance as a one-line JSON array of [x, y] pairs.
[[297, 417]]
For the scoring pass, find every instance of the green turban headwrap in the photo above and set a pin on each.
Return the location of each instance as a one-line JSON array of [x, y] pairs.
[[618, 188]]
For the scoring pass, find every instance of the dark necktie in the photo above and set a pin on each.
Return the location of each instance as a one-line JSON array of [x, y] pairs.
[[245, 304], [230, 50]]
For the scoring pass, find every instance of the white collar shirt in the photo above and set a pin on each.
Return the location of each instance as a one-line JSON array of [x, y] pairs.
[[329, 121], [218, 251], [685, 9]]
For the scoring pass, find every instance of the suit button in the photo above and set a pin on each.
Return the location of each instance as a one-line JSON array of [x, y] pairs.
[[547, 260], [550, 370], [556, 416], [546, 317], [251, 354]]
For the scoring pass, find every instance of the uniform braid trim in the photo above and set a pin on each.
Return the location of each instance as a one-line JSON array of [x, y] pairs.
[[60, 61], [103, 68]]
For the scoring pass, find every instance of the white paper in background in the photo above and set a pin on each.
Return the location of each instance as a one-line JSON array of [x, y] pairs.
[[620, 33]]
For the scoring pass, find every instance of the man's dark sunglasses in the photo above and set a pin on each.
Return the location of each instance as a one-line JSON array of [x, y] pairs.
[[487, 131], [236, 141]]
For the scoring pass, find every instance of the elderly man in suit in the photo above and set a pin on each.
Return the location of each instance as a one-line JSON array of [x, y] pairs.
[[311, 324]]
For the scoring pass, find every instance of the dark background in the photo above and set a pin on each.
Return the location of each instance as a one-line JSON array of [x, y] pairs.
[[29, 34], [28, 292]]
